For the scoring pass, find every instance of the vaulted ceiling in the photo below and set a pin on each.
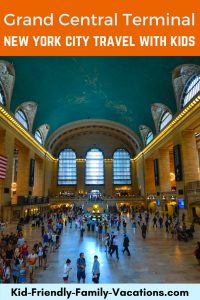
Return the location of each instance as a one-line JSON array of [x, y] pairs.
[[119, 89]]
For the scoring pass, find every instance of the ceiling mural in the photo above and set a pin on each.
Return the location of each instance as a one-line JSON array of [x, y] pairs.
[[119, 89]]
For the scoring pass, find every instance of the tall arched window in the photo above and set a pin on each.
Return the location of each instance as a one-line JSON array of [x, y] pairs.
[[191, 89], [121, 167], [2, 96], [38, 137], [149, 137], [67, 173], [21, 117], [94, 167], [165, 119]]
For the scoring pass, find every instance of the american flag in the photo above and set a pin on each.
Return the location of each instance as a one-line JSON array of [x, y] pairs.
[[3, 166]]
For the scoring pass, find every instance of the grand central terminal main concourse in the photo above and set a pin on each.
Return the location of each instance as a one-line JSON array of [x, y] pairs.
[[99, 169]]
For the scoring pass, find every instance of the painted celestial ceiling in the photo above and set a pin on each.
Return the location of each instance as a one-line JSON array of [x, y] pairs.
[[119, 89]]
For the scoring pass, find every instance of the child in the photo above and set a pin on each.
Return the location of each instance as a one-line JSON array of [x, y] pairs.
[[67, 269], [22, 273]]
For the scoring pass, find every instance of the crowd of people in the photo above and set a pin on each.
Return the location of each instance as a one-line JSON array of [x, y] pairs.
[[109, 229], [19, 259], [173, 226]]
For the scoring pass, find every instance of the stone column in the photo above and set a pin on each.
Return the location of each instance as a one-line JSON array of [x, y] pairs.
[[172, 178], [141, 175], [189, 157], [164, 170], [38, 177], [135, 189], [23, 171], [108, 178], [80, 175], [149, 176], [50, 177]]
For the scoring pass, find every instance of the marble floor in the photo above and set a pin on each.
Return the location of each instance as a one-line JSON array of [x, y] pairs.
[[158, 259]]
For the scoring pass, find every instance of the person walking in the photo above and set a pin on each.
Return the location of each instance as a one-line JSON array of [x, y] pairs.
[[115, 247], [45, 252], [160, 220], [42, 229], [107, 242], [197, 252], [126, 244], [45, 238], [6, 272], [96, 270], [40, 254], [32, 258], [53, 243], [25, 249], [134, 226], [124, 226], [81, 265], [155, 222], [22, 273], [144, 231], [82, 229], [111, 242], [167, 225], [93, 225], [16, 269], [147, 218], [66, 271]]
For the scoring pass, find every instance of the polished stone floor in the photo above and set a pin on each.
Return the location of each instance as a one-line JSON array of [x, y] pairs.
[[158, 259]]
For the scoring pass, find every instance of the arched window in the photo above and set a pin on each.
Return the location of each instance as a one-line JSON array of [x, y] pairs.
[[149, 137], [2, 96], [38, 137], [67, 173], [165, 119], [197, 134], [94, 167], [192, 88], [121, 167], [21, 117]]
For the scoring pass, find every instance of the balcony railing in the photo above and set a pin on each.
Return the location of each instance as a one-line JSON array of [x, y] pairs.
[[32, 200], [193, 187]]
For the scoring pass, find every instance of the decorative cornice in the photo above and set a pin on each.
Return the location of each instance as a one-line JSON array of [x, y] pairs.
[[176, 121], [16, 126]]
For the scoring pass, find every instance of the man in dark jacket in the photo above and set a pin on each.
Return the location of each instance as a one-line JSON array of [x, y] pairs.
[[126, 244], [144, 231]]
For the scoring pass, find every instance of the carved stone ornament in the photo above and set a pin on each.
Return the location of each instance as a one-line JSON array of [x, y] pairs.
[[180, 77], [157, 110], [30, 109], [7, 78], [144, 130], [44, 129]]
